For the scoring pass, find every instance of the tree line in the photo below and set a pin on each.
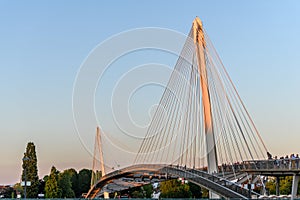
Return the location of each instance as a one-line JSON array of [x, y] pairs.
[[66, 184], [70, 184], [285, 186]]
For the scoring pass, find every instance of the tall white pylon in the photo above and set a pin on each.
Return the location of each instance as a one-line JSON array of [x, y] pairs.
[[200, 44], [199, 40], [98, 150]]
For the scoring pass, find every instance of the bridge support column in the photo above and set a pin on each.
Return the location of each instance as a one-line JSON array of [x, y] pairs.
[[277, 185], [295, 186]]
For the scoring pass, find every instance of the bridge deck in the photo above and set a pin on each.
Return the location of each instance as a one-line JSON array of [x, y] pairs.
[[212, 182], [273, 167], [220, 185]]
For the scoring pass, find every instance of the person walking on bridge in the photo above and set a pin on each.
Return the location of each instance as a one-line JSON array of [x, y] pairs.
[[292, 161]]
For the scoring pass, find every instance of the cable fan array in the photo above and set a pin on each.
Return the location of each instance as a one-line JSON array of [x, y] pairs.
[[176, 134]]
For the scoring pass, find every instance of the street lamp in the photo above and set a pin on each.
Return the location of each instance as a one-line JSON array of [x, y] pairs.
[[25, 167]]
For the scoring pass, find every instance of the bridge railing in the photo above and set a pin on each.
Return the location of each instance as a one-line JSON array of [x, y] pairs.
[[148, 167], [273, 164], [195, 174]]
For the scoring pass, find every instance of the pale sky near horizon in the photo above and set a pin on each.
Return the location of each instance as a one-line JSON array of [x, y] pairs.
[[44, 43]]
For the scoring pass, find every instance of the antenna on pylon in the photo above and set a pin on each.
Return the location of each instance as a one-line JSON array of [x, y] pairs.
[[98, 169]]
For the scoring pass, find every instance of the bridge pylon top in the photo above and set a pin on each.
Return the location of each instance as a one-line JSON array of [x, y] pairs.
[[198, 32]]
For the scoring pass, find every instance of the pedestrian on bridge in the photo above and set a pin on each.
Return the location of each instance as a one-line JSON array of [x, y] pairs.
[[292, 161], [276, 162]]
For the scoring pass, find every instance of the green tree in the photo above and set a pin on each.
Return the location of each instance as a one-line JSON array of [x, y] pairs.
[[195, 190], [18, 188], [137, 194], [7, 192], [148, 189], [74, 181], [175, 189], [65, 185], [84, 180], [285, 185], [271, 186], [30, 167], [205, 193], [51, 186]]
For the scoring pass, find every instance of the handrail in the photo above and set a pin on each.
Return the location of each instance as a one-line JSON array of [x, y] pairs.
[[273, 164], [213, 182], [218, 179]]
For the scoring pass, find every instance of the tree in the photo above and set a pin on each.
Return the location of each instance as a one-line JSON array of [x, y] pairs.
[[7, 192], [148, 189], [30, 167], [271, 186], [84, 180], [175, 189], [285, 185], [42, 186], [51, 186], [74, 182], [18, 188], [195, 190], [137, 194], [65, 185]]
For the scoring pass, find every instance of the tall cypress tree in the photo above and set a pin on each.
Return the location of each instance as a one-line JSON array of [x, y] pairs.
[[30, 165]]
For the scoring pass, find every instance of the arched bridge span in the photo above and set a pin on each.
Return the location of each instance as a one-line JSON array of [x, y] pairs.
[[220, 186]]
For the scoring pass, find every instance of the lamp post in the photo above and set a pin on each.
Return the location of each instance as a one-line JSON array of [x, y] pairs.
[[25, 168]]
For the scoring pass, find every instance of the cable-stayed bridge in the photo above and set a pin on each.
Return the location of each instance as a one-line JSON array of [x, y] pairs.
[[201, 130]]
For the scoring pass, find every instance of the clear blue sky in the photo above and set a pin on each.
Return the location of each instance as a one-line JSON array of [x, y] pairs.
[[43, 43]]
